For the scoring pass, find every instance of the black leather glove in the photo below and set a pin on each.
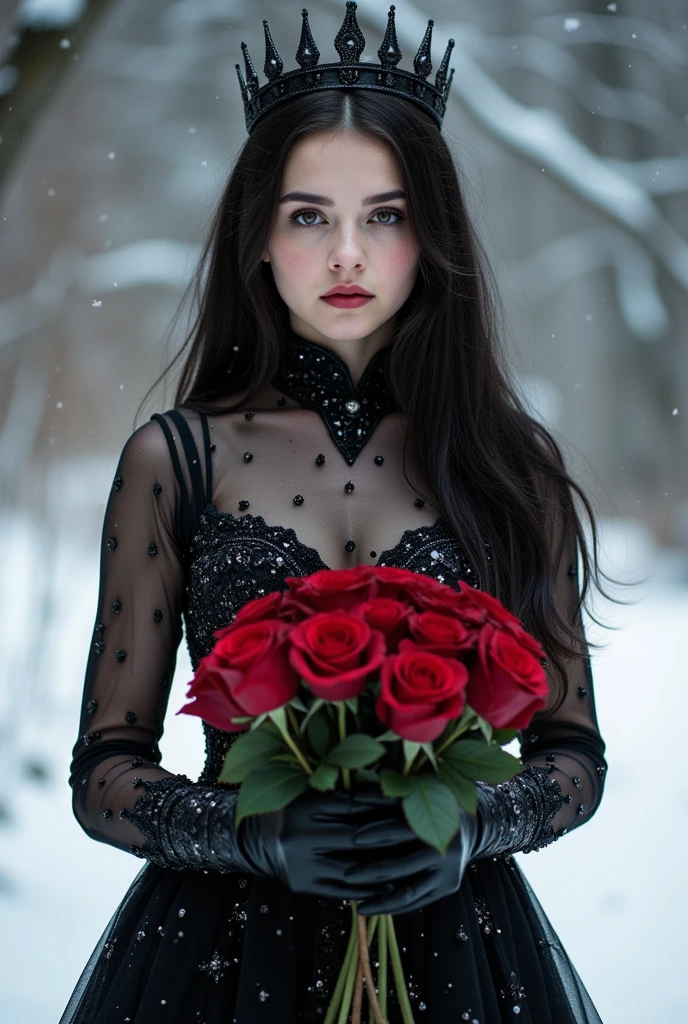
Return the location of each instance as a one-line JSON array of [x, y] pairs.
[[512, 816], [307, 845]]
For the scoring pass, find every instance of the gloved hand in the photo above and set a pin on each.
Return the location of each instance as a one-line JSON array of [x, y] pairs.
[[421, 875], [309, 844]]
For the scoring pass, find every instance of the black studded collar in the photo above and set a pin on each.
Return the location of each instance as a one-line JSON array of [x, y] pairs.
[[320, 380]]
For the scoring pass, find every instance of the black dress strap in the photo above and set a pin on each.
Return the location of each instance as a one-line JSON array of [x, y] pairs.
[[193, 459], [191, 505]]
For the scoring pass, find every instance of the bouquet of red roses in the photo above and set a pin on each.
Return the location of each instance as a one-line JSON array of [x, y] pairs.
[[379, 672]]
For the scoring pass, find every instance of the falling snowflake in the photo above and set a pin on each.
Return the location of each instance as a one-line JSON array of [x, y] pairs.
[[571, 24], [97, 303]]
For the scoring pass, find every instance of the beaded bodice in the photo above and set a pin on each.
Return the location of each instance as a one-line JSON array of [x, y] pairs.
[[208, 512]]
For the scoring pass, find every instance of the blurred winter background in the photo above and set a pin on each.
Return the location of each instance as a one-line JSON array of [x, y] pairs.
[[119, 121]]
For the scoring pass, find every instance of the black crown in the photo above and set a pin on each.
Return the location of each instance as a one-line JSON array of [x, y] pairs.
[[348, 74]]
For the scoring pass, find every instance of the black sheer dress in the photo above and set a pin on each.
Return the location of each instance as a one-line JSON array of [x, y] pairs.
[[206, 513]]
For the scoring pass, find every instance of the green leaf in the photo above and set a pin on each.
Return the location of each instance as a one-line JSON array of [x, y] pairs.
[[249, 751], [320, 734], [324, 777], [429, 749], [504, 736], [394, 783], [258, 721], [315, 706], [297, 703], [269, 789], [388, 737], [243, 718], [366, 776], [464, 790], [431, 810], [485, 728], [279, 717], [476, 761], [411, 748], [356, 751], [352, 704], [288, 757]]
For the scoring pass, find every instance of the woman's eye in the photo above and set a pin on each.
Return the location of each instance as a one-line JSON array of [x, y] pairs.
[[380, 213]]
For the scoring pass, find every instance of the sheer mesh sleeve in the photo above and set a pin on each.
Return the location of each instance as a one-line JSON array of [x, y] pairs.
[[135, 640], [121, 795], [562, 750]]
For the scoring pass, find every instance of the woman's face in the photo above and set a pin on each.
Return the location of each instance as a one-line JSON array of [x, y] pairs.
[[343, 231]]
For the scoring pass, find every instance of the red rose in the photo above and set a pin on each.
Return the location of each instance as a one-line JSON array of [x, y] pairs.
[[330, 590], [387, 616], [507, 684], [421, 693], [246, 673], [267, 607], [442, 634], [336, 653], [390, 582], [493, 610]]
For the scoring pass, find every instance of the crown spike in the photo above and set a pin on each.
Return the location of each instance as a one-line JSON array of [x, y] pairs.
[[422, 64], [242, 85], [308, 54], [251, 75], [350, 41], [389, 52], [441, 76], [273, 62]]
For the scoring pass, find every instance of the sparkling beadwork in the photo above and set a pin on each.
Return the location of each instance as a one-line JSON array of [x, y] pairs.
[[112, 543], [378, 460], [137, 762], [582, 692], [243, 505], [116, 606], [281, 402], [92, 706], [581, 809], [130, 717], [152, 550], [350, 545], [248, 456], [248, 415], [157, 489], [101, 783], [571, 570], [90, 737], [98, 646], [348, 487], [137, 781], [212, 447], [352, 407], [321, 380], [418, 502], [577, 782], [118, 482], [319, 459], [121, 655], [106, 813], [157, 615]]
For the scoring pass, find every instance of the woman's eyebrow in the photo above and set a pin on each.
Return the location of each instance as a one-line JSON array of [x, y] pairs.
[[312, 197]]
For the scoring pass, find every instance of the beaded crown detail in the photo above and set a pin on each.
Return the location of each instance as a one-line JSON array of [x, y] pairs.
[[349, 73]]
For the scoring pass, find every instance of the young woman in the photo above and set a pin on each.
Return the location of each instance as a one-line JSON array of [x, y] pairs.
[[344, 401]]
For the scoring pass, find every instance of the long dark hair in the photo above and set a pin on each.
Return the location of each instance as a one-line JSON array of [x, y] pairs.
[[498, 474]]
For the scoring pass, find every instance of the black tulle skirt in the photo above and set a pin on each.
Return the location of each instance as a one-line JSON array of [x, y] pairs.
[[195, 948]]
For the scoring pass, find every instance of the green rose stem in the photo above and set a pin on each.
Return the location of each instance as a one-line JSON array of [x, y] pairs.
[[449, 740], [287, 737], [402, 994], [364, 967], [343, 974], [351, 970], [341, 709], [382, 957]]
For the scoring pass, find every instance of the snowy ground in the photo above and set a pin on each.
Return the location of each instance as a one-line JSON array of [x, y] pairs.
[[614, 889]]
